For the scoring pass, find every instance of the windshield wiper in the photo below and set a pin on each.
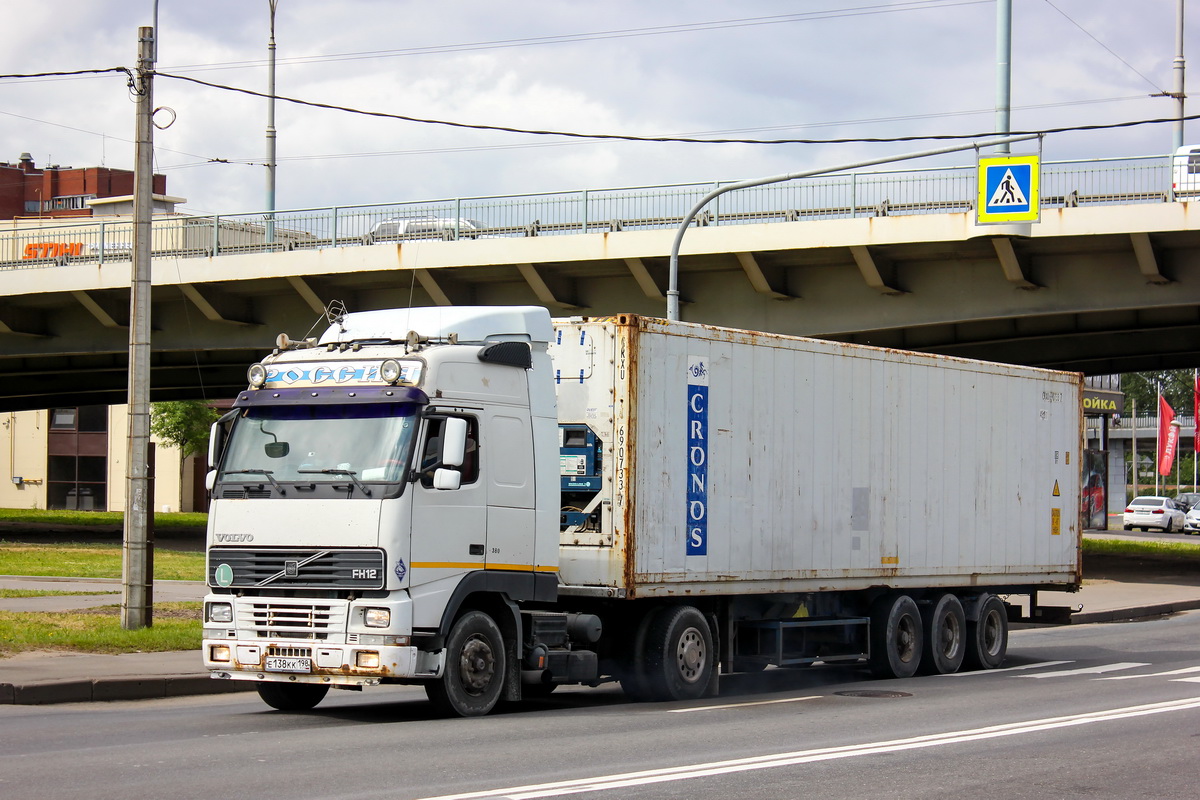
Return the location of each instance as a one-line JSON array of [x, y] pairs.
[[334, 471], [270, 476]]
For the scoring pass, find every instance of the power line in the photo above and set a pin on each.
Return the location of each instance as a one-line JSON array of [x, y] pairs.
[[625, 33], [660, 139], [1102, 44]]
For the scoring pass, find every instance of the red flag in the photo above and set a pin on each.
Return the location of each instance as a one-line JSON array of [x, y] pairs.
[[1168, 437]]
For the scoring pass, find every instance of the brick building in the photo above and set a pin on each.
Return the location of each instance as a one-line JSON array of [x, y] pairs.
[[29, 191]]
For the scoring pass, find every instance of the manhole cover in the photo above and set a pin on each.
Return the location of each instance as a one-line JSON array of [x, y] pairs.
[[872, 693]]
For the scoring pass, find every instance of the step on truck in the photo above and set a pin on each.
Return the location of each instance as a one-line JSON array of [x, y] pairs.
[[491, 503]]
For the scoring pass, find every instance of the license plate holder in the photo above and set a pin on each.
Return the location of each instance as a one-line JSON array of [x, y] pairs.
[[287, 664]]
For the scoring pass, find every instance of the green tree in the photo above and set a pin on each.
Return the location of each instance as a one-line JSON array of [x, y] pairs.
[[1142, 388], [183, 423]]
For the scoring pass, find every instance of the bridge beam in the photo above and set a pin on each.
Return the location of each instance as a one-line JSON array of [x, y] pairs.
[[651, 286], [768, 281], [1015, 266], [1147, 259], [217, 306], [443, 289], [563, 298], [307, 293], [22, 322], [877, 270], [109, 314]]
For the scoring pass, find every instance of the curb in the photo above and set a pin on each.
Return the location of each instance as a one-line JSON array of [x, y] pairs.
[[1138, 612], [90, 690]]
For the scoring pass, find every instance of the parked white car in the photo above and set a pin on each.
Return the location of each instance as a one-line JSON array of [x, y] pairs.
[[1153, 512], [1191, 523], [426, 228]]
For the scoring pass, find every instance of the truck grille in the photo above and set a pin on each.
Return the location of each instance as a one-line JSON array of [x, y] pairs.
[[281, 619], [296, 568]]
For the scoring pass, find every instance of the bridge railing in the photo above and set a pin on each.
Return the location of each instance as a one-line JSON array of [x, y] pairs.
[[861, 194]]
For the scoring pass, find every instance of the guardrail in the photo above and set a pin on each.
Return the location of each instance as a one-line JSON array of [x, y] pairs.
[[893, 193]]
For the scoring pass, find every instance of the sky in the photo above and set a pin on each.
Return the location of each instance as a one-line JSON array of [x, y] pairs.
[[755, 69]]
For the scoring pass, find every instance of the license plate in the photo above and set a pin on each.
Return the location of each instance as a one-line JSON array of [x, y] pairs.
[[281, 664]]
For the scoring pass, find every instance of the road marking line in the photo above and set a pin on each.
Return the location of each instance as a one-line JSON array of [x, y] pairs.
[[646, 777], [743, 705], [1038, 665], [1183, 671], [1066, 673]]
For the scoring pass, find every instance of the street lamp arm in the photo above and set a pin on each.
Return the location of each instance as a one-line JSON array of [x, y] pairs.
[[673, 289]]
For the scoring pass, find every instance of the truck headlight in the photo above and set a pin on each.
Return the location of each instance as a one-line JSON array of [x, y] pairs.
[[377, 617], [390, 370], [218, 612], [256, 375], [219, 652]]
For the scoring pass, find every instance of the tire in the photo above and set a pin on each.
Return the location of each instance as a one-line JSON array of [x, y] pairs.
[[633, 678], [475, 664], [1169, 527], [292, 696], [896, 637], [987, 637], [679, 654], [944, 629], [1128, 527]]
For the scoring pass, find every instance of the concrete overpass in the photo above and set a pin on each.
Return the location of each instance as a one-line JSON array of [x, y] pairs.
[[1093, 288]]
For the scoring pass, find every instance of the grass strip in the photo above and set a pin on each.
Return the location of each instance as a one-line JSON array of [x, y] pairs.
[[99, 518], [92, 561], [1183, 551], [176, 626], [13, 593]]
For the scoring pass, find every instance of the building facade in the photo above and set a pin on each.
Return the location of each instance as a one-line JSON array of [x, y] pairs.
[[53, 192], [74, 458]]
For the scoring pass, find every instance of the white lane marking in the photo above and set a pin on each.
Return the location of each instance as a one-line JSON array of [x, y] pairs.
[[1038, 665], [1066, 673], [646, 777], [743, 705], [1186, 680], [1183, 671]]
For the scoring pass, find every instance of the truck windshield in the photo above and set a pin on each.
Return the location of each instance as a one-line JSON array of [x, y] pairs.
[[321, 444]]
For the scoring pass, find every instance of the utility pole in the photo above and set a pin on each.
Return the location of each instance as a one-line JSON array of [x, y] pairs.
[[1004, 71], [138, 551], [1177, 90], [271, 126]]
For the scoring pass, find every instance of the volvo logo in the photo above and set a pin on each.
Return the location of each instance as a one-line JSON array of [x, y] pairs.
[[235, 537]]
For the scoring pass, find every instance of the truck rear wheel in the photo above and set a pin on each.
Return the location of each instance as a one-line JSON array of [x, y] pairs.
[[944, 628], [679, 654], [987, 638], [292, 696], [896, 640], [475, 664]]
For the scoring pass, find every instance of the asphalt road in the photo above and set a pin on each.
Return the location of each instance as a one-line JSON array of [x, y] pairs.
[[1079, 712]]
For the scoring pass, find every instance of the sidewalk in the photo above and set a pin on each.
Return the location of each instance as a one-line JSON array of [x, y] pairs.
[[1117, 593]]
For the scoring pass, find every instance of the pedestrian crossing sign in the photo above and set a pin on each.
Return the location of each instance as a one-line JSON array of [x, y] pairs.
[[1008, 189]]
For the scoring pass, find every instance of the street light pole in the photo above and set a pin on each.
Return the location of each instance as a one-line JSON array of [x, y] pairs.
[[138, 554], [271, 126]]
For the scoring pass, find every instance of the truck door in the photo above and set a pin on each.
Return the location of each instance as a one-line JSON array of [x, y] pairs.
[[449, 527], [510, 492]]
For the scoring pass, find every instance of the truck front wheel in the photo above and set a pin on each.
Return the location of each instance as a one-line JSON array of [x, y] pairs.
[[292, 696], [475, 664], [679, 654], [896, 640]]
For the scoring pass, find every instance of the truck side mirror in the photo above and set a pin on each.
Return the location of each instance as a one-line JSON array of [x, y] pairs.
[[454, 442], [447, 479]]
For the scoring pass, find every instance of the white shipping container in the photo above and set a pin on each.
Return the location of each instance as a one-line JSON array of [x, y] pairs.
[[738, 462]]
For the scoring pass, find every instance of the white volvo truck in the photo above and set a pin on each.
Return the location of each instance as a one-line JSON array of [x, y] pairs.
[[491, 504]]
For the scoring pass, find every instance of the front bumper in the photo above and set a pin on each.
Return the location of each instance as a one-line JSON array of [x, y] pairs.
[[306, 640], [334, 664]]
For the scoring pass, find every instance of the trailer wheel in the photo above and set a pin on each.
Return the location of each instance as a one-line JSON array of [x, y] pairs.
[[944, 628], [475, 664], [987, 639], [896, 640], [292, 696], [678, 654]]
